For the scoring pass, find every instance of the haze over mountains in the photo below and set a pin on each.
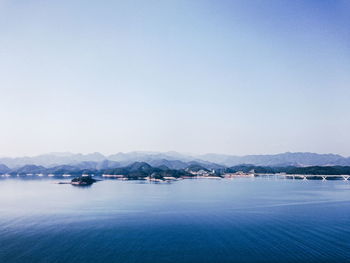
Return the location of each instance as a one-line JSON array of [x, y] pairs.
[[172, 160]]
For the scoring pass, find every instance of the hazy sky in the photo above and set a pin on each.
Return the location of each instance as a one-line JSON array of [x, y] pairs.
[[238, 77]]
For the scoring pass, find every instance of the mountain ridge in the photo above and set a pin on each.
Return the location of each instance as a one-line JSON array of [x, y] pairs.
[[174, 160]]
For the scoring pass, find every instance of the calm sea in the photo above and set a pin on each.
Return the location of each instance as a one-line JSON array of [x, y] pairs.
[[205, 220]]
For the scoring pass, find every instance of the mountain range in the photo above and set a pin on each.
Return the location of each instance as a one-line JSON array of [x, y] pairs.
[[172, 160]]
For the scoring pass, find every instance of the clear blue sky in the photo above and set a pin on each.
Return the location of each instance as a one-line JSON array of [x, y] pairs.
[[237, 77]]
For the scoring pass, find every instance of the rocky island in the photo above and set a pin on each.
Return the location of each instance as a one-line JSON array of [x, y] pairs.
[[83, 180]]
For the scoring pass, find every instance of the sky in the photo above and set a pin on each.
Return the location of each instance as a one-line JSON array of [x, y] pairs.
[[197, 76]]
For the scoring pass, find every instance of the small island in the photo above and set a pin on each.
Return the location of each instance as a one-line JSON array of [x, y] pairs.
[[83, 180]]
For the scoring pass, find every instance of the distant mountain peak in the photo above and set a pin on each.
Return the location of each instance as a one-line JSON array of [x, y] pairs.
[[175, 160]]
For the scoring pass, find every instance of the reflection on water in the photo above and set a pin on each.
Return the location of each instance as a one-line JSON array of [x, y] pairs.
[[239, 220]]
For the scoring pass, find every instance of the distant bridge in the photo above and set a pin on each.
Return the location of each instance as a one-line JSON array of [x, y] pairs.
[[309, 176]]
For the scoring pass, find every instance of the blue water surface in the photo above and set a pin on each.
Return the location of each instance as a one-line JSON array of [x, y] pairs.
[[203, 220]]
